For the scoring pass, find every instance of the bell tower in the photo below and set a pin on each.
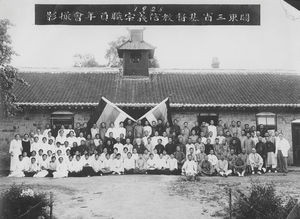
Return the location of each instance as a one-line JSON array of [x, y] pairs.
[[136, 54]]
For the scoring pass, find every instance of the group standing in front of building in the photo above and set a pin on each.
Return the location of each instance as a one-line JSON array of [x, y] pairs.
[[156, 148]]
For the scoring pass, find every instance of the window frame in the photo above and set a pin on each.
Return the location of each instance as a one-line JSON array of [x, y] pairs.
[[266, 115]]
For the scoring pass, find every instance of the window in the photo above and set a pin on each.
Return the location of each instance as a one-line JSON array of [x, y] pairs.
[[267, 119], [206, 117], [135, 57], [62, 118]]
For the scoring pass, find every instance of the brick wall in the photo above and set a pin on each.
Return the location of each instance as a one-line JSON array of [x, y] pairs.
[[284, 121], [24, 123], [31, 120]]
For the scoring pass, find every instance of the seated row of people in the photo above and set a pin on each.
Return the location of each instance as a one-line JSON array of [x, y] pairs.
[[210, 165], [58, 165]]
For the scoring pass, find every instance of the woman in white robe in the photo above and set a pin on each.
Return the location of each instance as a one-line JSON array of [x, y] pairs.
[[61, 170], [15, 149], [20, 167]]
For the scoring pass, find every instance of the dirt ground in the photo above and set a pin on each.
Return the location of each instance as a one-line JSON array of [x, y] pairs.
[[144, 196]]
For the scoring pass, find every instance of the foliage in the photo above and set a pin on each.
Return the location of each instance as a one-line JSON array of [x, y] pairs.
[[112, 53], [20, 201], [85, 60], [113, 58], [261, 203], [8, 74]]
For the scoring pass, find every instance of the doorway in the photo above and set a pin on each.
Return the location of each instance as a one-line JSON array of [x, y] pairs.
[[296, 142], [207, 117]]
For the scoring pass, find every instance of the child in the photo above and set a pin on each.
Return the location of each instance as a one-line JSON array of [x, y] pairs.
[[52, 167], [77, 167], [103, 154], [128, 145], [44, 165], [140, 165], [189, 168], [106, 165], [33, 168], [124, 153], [117, 165], [240, 165], [129, 164], [97, 165], [192, 153], [161, 165], [61, 170], [151, 165], [155, 154], [205, 167], [212, 158], [172, 167], [222, 167], [146, 155], [256, 162], [87, 169], [70, 165], [135, 155], [180, 157]]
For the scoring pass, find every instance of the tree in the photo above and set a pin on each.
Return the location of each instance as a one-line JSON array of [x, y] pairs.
[[8, 74], [112, 53], [85, 60], [113, 58]]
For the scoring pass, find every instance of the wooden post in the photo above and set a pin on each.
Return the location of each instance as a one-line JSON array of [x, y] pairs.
[[230, 203], [51, 204]]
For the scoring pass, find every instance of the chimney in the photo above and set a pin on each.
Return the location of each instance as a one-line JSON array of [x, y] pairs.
[[136, 35]]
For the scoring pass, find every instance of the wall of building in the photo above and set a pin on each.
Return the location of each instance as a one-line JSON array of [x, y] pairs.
[[284, 121], [31, 120], [26, 122]]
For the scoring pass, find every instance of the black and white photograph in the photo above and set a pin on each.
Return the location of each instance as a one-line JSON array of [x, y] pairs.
[[150, 109]]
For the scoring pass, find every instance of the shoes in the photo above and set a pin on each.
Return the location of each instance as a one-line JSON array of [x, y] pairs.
[[252, 172], [269, 171], [275, 171], [258, 172]]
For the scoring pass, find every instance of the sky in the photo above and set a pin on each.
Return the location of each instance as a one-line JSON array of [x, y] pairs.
[[275, 44]]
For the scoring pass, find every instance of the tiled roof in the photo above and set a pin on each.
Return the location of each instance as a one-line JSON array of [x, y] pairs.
[[136, 45], [188, 89]]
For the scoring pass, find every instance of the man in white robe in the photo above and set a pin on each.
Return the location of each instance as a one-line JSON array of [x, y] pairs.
[[129, 164], [189, 168], [117, 165]]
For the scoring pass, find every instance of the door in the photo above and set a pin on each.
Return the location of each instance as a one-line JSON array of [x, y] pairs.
[[296, 143]]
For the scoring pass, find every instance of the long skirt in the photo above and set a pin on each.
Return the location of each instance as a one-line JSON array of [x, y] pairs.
[[13, 161], [271, 160], [16, 174]]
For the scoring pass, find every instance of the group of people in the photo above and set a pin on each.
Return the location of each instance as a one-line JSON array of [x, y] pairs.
[[156, 148]]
